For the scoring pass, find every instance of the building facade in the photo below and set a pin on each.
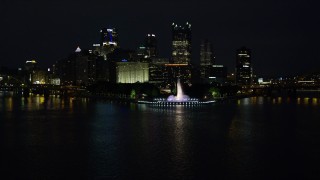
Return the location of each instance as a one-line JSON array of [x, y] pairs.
[[108, 42], [181, 71], [80, 68], [158, 72], [151, 46], [206, 53], [243, 66], [109, 37], [132, 72], [218, 74], [181, 43], [207, 60], [148, 50]]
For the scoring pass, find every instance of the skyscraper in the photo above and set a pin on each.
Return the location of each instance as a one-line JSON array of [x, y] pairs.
[[243, 66], [148, 50], [151, 45], [81, 68], [181, 43], [108, 42], [207, 61], [206, 54], [109, 37], [158, 73]]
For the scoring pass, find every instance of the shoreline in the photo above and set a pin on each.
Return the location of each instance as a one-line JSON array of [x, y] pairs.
[[117, 99]]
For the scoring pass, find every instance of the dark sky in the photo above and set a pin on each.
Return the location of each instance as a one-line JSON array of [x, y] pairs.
[[283, 34]]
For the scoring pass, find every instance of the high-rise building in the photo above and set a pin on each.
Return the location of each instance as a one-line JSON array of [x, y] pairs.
[[39, 77], [151, 45], [218, 74], [142, 54], [31, 65], [206, 53], [179, 71], [207, 60], [243, 66], [34, 74], [148, 50], [158, 73], [181, 43], [122, 55], [108, 42], [80, 68], [30, 68], [109, 37]]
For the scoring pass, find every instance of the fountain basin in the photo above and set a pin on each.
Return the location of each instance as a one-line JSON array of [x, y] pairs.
[[164, 102], [180, 99]]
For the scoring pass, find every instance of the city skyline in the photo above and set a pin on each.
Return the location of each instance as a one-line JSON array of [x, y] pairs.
[[281, 35]]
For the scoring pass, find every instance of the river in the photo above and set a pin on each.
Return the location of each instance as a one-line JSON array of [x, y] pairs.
[[251, 138]]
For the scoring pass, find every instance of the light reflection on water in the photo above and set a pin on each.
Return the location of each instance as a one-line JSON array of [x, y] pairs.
[[179, 144], [299, 101], [315, 101], [246, 138], [279, 100], [36, 103]]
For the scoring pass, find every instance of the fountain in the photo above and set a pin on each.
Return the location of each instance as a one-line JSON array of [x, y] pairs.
[[179, 99], [180, 96]]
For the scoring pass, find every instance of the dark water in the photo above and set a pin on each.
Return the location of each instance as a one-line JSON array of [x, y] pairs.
[[253, 138]]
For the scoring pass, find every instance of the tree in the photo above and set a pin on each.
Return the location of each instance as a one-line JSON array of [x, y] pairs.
[[133, 94], [214, 92]]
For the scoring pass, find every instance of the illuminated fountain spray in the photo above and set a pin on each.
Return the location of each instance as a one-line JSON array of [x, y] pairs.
[[180, 96], [180, 99]]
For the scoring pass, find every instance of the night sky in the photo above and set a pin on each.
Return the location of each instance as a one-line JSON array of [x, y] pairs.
[[283, 35]]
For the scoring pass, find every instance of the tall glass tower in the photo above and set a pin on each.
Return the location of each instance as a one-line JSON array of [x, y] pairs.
[[108, 42], [243, 66], [151, 45], [206, 54], [181, 43], [109, 37]]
